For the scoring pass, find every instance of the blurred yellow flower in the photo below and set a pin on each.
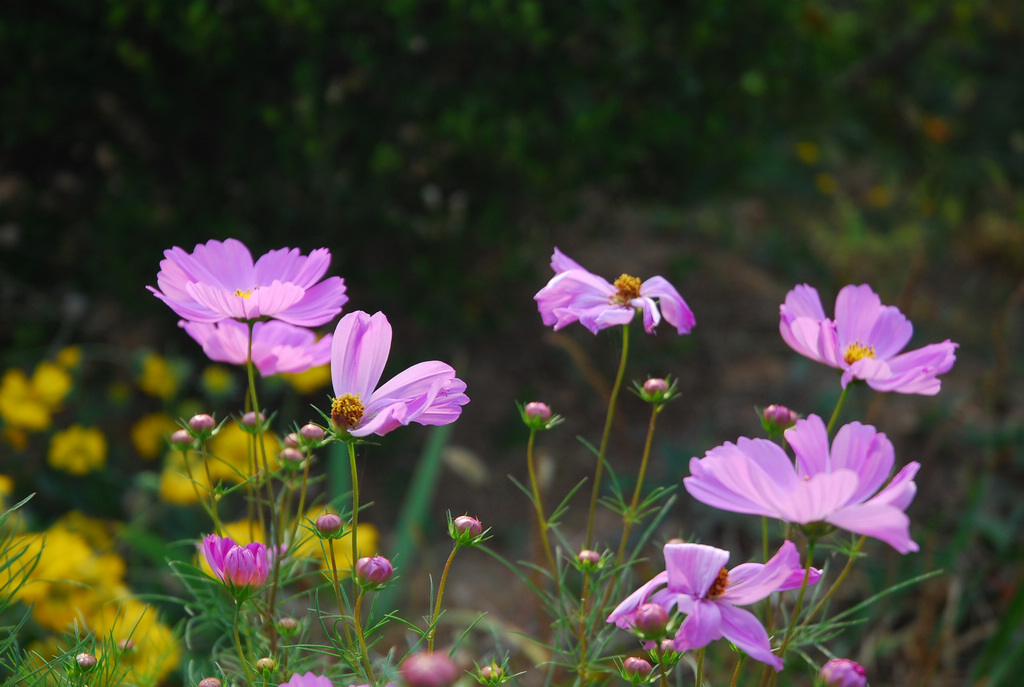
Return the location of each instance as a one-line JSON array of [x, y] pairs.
[[808, 152], [29, 403], [217, 380], [313, 379], [69, 357], [878, 197], [157, 377], [78, 450], [155, 650], [826, 183], [6, 488], [98, 532], [149, 434]]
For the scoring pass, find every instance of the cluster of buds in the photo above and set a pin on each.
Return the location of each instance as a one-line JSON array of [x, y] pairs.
[[466, 530], [656, 391], [308, 437], [199, 427], [373, 572], [538, 416]]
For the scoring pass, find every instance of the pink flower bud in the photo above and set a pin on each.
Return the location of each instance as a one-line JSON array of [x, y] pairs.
[[202, 425], [777, 419], [292, 455], [181, 439], [842, 672], [467, 524], [251, 421], [86, 661], [535, 410], [589, 560], [491, 674], [667, 646], [636, 669], [651, 620], [328, 525], [429, 669], [373, 572], [209, 682], [287, 626], [311, 432], [291, 440], [655, 385]]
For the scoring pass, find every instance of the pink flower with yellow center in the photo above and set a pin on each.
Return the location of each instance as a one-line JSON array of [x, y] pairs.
[[219, 280], [576, 295], [864, 340]]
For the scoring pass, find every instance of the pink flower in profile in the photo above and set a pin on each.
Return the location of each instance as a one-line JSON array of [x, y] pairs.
[[864, 341], [219, 281], [427, 393], [697, 584], [239, 567], [838, 485], [276, 347], [576, 295], [307, 680]]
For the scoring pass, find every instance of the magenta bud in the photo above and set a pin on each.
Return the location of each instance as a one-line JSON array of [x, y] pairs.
[[655, 385], [181, 439], [468, 525], [589, 560], [86, 661], [429, 669], [202, 425], [311, 432], [650, 620], [251, 421], [373, 572], [291, 440], [636, 669], [667, 646], [209, 682], [266, 665], [292, 455], [328, 525], [842, 672], [535, 410], [777, 419], [287, 626]]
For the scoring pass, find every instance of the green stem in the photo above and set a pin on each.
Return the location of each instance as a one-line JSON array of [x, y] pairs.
[[210, 488], [736, 673], [581, 668], [542, 523], [337, 591], [768, 620], [796, 608], [700, 668], [440, 594], [357, 616], [355, 513], [835, 413], [238, 644], [195, 487], [630, 514], [835, 585], [604, 437]]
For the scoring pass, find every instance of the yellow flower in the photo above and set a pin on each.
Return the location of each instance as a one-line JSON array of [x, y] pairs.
[[218, 381], [157, 378], [313, 379], [175, 485], [155, 650], [69, 357], [6, 488], [879, 197], [148, 434], [826, 183], [78, 450], [808, 152], [98, 532], [29, 403]]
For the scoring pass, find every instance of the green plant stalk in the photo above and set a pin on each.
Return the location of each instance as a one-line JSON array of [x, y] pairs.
[[542, 523], [630, 515], [238, 644], [736, 673], [302, 500], [355, 514], [195, 487], [440, 594], [663, 681], [796, 611], [604, 437], [835, 413], [337, 591], [768, 620], [835, 585], [581, 668], [699, 678], [209, 487], [363, 651]]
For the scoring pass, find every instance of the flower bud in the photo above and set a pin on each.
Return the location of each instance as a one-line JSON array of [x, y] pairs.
[[328, 525], [126, 645], [589, 560], [667, 646], [209, 682], [181, 439], [429, 669], [537, 415], [266, 665], [842, 672], [251, 422], [291, 440], [202, 425], [86, 662], [777, 419], [291, 457], [373, 572], [466, 530], [312, 433], [656, 390], [287, 626], [491, 674], [636, 669], [654, 385], [650, 620]]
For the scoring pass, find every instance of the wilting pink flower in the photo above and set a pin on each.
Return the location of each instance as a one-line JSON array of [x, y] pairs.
[[307, 680], [864, 341], [839, 486], [575, 294], [276, 347], [696, 583], [240, 567], [219, 281], [428, 393]]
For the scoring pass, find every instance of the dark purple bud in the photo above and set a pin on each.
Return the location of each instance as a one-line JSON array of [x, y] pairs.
[[636, 669], [651, 620], [842, 672], [429, 669], [373, 572]]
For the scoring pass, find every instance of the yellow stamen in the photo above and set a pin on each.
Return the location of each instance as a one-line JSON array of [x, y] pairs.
[[856, 351], [347, 410], [719, 585], [243, 294], [628, 289]]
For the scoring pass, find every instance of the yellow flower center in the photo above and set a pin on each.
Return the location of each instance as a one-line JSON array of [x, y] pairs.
[[856, 351], [719, 585], [628, 288], [347, 410], [243, 294]]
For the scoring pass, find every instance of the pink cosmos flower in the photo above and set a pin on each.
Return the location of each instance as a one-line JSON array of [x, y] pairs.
[[428, 393], [307, 680], [696, 583], [276, 347], [575, 294], [219, 281], [838, 485], [240, 567], [864, 341]]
